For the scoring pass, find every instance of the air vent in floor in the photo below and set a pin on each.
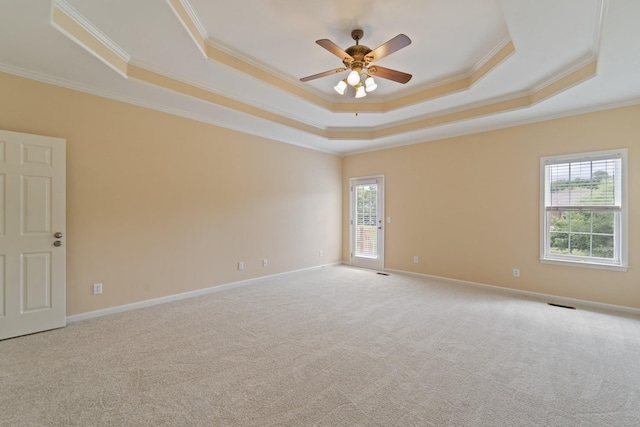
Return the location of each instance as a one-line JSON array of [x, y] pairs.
[[561, 306]]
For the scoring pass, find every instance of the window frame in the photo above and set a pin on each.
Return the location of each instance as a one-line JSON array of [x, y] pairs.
[[621, 224]]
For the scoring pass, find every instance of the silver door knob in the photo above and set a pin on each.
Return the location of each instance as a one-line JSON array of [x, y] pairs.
[[57, 243], [57, 235]]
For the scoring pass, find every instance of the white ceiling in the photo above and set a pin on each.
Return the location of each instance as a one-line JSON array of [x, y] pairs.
[[276, 39]]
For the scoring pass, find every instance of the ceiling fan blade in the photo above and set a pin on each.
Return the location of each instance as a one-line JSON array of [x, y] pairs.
[[335, 49], [323, 74], [388, 73], [393, 45]]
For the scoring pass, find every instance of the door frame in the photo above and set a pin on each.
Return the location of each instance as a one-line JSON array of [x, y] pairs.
[[378, 263]]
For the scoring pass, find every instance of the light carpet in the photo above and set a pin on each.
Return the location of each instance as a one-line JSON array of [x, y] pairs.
[[336, 346]]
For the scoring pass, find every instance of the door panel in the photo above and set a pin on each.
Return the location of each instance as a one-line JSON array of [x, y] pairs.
[[367, 234], [36, 282], [32, 209], [36, 210]]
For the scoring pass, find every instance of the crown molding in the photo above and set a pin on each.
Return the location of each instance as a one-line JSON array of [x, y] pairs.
[[225, 94], [190, 22], [492, 127], [47, 79], [603, 9], [80, 30], [188, 7], [115, 96], [75, 26]]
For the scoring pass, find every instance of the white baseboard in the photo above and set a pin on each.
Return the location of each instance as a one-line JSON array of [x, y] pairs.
[[180, 296], [573, 302]]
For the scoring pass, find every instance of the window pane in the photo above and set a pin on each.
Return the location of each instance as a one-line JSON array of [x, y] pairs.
[[366, 241], [559, 243], [580, 222], [580, 244], [558, 221], [366, 238], [603, 222], [603, 246], [583, 183]]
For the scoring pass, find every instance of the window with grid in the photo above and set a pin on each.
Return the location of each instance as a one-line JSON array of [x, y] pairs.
[[584, 213]]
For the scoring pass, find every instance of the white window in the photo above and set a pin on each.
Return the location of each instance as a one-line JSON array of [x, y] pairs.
[[584, 214]]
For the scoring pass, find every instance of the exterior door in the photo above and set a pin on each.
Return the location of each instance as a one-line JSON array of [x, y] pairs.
[[32, 234], [367, 213]]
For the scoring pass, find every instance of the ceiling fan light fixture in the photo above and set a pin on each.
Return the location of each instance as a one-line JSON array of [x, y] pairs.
[[358, 61], [354, 78], [340, 87], [370, 84]]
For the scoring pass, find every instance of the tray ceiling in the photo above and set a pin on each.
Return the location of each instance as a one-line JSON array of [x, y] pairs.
[[476, 64]]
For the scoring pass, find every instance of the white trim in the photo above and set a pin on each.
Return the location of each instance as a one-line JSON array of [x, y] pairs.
[[233, 285], [599, 24], [489, 55], [586, 264], [537, 295], [184, 295], [188, 7], [86, 25], [196, 22]]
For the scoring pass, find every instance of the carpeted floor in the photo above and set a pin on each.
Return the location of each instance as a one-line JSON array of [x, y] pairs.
[[335, 346]]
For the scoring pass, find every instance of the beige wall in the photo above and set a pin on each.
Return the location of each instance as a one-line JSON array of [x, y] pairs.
[[158, 205], [469, 206]]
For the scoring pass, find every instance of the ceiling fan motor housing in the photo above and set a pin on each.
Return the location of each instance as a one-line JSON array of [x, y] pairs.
[[358, 52]]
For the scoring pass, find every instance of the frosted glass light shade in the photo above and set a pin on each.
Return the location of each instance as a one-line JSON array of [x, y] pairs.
[[370, 84], [340, 87], [360, 93], [354, 78]]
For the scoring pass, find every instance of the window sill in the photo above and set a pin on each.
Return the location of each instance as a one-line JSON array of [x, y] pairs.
[[585, 264]]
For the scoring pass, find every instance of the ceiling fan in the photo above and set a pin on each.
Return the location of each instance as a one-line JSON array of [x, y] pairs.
[[359, 59]]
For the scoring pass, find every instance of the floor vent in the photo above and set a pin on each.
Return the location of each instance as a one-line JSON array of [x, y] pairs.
[[383, 274], [562, 306]]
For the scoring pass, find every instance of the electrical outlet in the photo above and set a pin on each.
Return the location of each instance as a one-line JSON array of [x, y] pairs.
[[415, 259], [265, 262], [97, 288], [516, 272], [320, 253], [241, 265]]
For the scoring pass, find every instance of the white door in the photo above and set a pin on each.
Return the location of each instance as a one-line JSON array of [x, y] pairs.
[[32, 214], [367, 213]]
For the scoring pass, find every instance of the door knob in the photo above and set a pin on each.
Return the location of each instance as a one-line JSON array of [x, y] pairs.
[[57, 243], [57, 235]]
